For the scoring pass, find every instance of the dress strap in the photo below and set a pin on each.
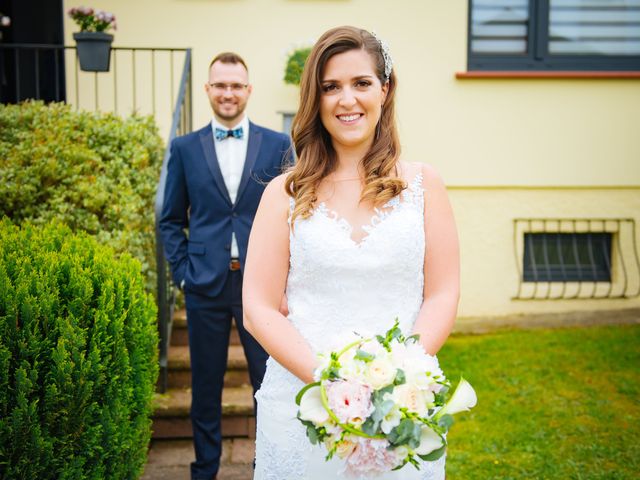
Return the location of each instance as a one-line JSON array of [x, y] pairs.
[[292, 205], [416, 183], [414, 193]]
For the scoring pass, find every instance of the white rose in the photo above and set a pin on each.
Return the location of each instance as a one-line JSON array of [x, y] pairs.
[[380, 373], [311, 408], [345, 447], [429, 441], [411, 398]]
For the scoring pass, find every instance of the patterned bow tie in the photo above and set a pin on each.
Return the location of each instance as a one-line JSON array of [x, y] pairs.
[[221, 133]]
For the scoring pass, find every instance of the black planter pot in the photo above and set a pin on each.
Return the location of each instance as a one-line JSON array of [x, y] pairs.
[[94, 50]]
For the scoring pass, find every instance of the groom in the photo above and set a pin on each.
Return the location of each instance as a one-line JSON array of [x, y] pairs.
[[215, 178]]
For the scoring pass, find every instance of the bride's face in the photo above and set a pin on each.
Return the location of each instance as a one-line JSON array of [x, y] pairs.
[[351, 99]]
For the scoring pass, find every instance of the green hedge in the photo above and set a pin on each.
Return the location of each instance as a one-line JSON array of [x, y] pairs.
[[95, 172], [78, 359]]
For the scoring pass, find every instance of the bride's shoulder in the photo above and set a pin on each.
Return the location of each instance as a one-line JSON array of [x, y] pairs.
[[411, 170], [275, 194]]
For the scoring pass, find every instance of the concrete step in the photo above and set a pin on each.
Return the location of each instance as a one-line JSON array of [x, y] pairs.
[[180, 335], [179, 372], [171, 413], [170, 459]]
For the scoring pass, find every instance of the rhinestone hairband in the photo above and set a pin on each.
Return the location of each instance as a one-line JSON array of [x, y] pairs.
[[388, 61]]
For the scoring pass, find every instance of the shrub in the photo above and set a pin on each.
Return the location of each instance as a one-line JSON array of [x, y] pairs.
[[77, 357], [295, 65], [95, 172]]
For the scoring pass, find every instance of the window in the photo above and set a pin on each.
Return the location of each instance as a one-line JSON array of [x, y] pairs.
[[564, 257], [576, 258], [554, 35]]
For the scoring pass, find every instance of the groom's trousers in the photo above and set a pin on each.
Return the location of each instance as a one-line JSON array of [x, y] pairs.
[[209, 323]]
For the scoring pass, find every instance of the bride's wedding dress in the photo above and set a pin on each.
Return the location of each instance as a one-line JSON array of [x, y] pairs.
[[335, 286]]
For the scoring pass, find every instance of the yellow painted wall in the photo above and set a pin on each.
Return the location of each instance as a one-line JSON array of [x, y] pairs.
[[476, 132], [485, 218], [507, 148]]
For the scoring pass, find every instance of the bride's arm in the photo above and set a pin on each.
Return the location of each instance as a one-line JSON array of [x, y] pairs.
[[441, 265], [265, 277]]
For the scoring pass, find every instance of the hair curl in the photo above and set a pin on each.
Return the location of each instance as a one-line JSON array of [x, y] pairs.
[[316, 156]]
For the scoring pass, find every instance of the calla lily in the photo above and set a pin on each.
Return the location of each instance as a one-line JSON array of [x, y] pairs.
[[429, 441], [463, 399], [311, 407]]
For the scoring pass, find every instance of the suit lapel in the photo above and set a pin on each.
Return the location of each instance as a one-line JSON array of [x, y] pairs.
[[206, 141], [255, 139]]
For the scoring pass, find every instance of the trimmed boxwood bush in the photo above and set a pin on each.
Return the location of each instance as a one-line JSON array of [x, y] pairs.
[[93, 171], [78, 359]]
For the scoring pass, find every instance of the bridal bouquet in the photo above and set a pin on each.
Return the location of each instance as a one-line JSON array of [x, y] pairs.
[[381, 403]]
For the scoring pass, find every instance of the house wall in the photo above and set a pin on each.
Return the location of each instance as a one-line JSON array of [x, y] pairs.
[[507, 148]]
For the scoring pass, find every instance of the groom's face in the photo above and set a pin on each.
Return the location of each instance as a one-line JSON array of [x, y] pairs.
[[228, 90]]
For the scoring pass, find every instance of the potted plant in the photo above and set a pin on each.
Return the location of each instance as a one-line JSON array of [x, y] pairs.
[[293, 68], [295, 64], [92, 41]]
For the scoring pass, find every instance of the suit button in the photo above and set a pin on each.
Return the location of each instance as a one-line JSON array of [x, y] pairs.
[[227, 247], [234, 215]]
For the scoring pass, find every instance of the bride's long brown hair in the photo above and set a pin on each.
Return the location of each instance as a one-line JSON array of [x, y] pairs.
[[316, 155]]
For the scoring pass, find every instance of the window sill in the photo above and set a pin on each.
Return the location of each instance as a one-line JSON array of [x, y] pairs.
[[547, 74]]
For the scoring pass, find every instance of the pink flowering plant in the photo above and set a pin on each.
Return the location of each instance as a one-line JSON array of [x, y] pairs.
[[90, 20], [381, 403]]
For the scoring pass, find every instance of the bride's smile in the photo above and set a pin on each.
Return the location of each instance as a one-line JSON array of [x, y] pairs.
[[351, 99]]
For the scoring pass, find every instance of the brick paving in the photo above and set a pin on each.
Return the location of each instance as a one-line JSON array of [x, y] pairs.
[[170, 459]]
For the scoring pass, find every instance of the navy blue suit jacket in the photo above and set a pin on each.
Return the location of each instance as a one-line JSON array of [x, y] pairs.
[[196, 198]]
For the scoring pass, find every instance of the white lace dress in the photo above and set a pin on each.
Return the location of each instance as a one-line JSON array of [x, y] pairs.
[[336, 285]]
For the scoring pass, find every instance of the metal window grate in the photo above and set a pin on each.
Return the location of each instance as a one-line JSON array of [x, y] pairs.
[[576, 258]]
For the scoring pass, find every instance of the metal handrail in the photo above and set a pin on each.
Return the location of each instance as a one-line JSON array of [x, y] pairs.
[[129, 59], [180, 124]]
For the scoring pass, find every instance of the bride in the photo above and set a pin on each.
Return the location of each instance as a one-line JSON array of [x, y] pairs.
[[353, 236]]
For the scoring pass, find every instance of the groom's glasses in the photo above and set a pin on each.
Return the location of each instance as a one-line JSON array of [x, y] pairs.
[[234, 87]]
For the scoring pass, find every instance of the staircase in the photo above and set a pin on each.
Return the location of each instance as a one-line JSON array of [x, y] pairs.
[[171, 448]]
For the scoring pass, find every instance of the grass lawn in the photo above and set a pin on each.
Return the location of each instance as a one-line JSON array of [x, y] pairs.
[[561, 403]]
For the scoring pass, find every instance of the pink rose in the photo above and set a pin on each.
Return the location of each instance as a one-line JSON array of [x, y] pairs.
[[350, 401], [371, 457]]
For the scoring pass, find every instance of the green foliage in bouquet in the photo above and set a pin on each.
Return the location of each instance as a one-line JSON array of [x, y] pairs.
[[295, 65], [381, 394], [77, 357], [94, 172]]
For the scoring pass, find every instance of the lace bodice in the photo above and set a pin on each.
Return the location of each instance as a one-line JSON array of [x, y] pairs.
[[337, 285]]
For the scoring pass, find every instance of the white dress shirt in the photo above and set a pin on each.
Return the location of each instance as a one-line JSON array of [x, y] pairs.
[[231, 153]]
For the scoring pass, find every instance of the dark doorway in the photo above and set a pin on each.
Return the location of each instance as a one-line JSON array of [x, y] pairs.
[[27, 71]]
